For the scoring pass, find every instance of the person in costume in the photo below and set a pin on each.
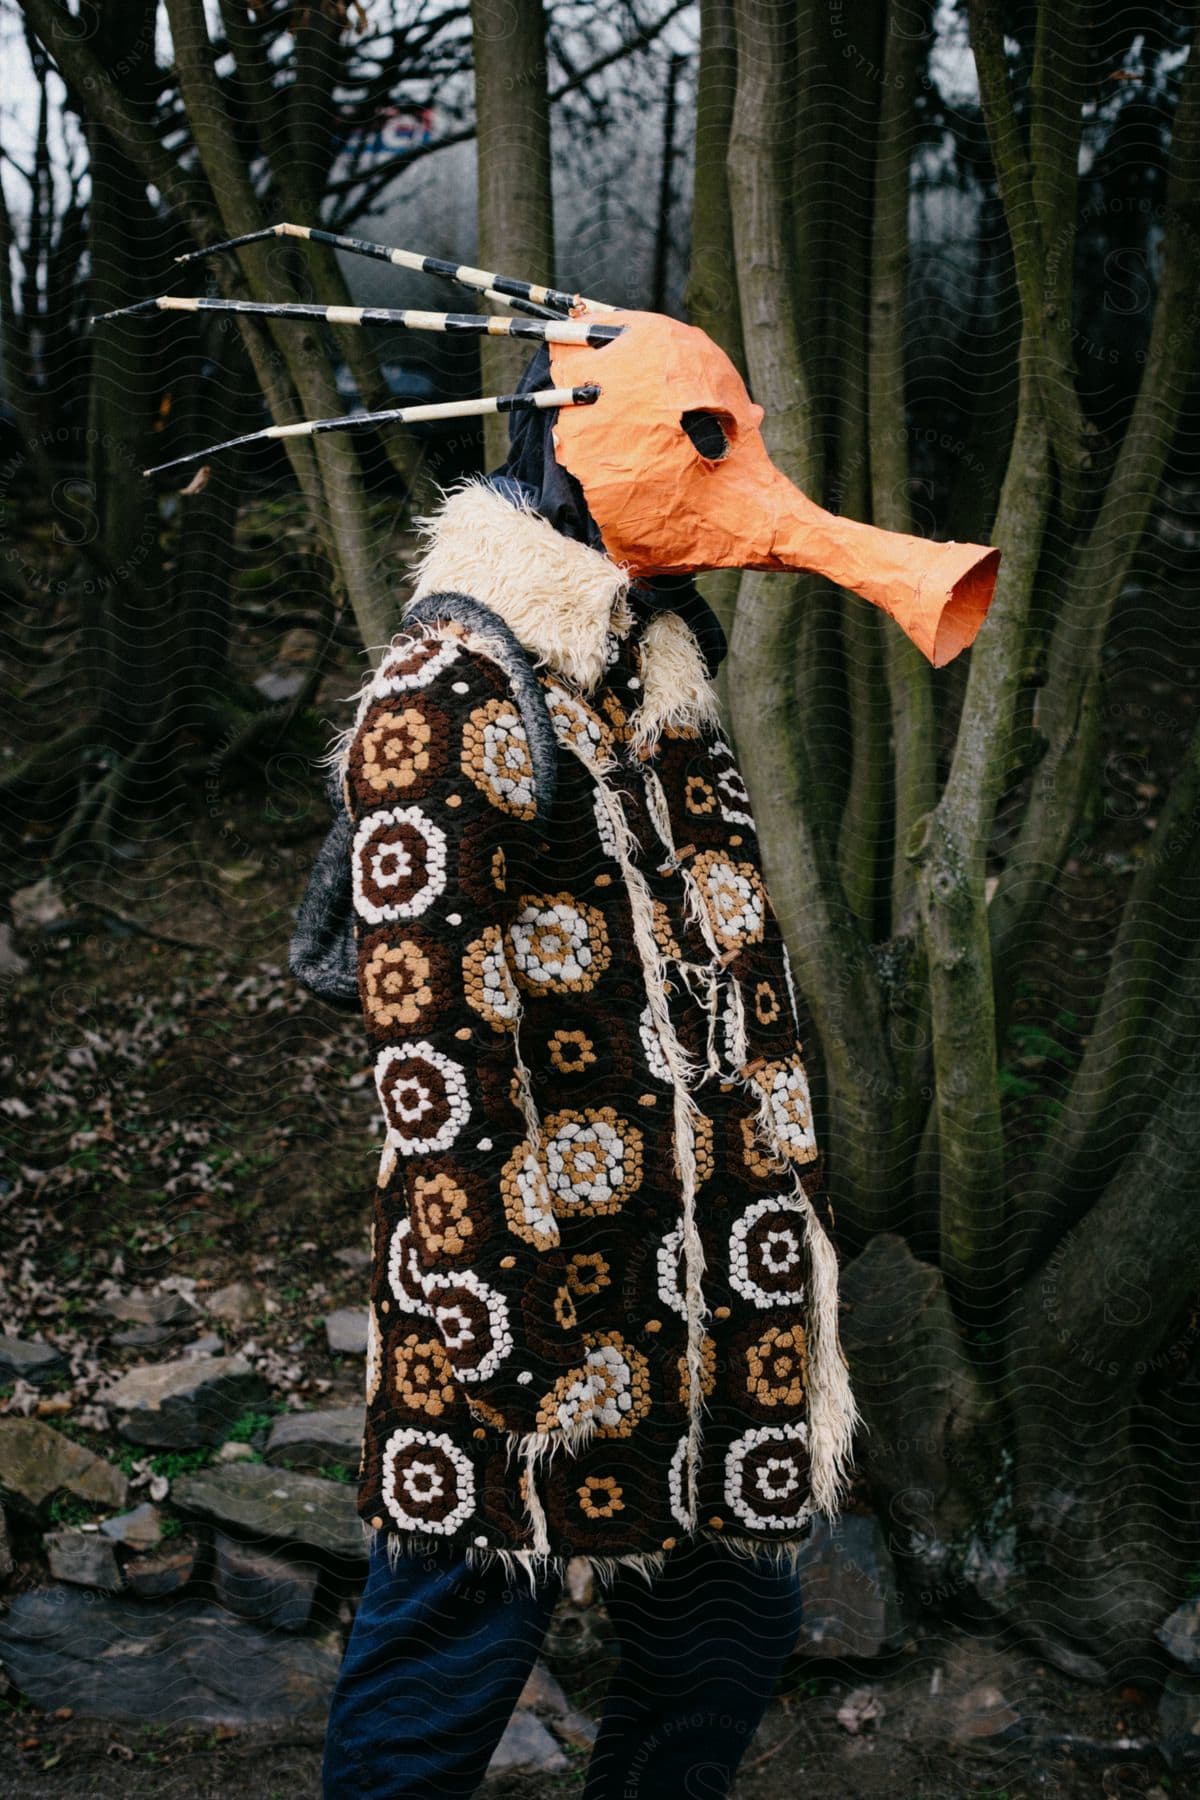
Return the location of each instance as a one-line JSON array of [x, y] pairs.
[[603, 1308]]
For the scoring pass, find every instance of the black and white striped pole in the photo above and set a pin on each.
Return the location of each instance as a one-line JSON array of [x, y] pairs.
[[547, 331], [542, 400], [479, 279]]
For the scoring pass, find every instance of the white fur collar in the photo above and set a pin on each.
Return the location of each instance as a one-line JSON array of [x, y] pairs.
[[562, 599]]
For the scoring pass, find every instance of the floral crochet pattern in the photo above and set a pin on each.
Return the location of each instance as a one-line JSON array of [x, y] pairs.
[[559, 947], [602, 1286], [766, 1252], [397, 981], [399, 864], [735, 897], [593, 1161], [395, 753], [496, 756]]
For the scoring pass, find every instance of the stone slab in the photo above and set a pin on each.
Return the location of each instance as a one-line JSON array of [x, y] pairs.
[[276, 1505], [189, 1662]]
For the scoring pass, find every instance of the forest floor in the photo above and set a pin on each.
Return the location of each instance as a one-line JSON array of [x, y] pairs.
[[1036, 1733], [181, 1113]]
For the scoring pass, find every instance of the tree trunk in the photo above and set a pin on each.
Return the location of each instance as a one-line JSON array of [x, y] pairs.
[[712, 290], [516, 207], [833, 962], [125, 615], [1104, 1527]]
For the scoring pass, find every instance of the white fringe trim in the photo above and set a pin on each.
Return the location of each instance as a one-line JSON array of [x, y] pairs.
[[676, 687], [686, 1074], [534, 1566], [833, 1415]]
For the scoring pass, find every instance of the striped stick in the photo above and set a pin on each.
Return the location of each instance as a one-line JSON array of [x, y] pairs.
[[549, 331], [479, 279], [528, 307], [542, 400]]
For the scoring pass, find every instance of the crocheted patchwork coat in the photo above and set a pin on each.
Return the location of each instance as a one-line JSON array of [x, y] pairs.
[[603, 1309]]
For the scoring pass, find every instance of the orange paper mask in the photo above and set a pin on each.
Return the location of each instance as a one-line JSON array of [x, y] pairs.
[[663, 507]]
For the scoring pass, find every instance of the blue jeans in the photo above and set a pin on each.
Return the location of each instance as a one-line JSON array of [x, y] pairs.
[[439, 1654]]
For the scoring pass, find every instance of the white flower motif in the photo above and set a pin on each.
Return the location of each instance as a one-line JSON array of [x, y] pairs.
[[428, 1483], [735, 898], [760, 1488], [676, 1476], [405, 1276], [507, 761], [660, 1068], [400, 851], [394, 679], [791, 1107], [496, 998], [669, 1252], [534, 1222], [575, 724], [585, 1165], [425, 1099], [604, 1392], [733, 799], [766, 1252], [552, 944], [477, 1339], [604, 825]]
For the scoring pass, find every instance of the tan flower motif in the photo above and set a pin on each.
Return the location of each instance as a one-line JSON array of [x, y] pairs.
[[766, 1003], [571, 1052], [600, 1496], [487, 980], [778, 1367], [593, 1160], [564, 1309], [374, 1369], [588, 1272], [441, 1215], [490, 1415], [735, 896], [756, 1156], [396, 983], [395, 751], [699, 796], [559, 945], [618, 718], [706, 1162], [497, 758], [424, 1381], [664, 932], [613, 1386], [526, 1198], [708, 1371]]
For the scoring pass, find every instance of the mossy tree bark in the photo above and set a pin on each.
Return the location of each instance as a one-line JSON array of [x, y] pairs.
[[1021, 1347]]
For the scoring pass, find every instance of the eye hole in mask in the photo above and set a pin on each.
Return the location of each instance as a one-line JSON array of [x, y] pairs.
[[708, 433]]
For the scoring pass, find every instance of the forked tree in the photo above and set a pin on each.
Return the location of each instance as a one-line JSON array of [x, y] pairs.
[[1024, 1343]]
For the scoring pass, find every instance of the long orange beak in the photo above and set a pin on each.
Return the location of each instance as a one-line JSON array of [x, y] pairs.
[[664, 508], [938, 594]]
